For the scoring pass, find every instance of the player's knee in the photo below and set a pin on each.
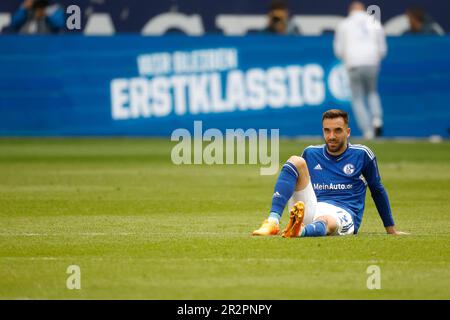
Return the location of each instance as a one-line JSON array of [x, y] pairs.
[[298, 162]]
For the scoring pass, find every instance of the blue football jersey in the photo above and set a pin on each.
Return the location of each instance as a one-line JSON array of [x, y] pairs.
[[342, 180]]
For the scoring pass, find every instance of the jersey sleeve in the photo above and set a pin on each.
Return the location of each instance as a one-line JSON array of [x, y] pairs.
[[377, 190]]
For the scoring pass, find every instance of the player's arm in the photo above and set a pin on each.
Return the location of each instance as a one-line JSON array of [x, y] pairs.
[[379, 195], [338, 42], [381, 42]]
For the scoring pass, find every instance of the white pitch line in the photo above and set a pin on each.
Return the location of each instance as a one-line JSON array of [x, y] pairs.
[[119, 234], [31, 258], [250, 260], [89, 234]]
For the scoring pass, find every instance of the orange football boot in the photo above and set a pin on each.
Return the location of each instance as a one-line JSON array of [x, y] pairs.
[[267, 229], [295, 225]]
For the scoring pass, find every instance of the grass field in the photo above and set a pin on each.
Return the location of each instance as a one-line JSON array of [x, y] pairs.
[[140, 227]]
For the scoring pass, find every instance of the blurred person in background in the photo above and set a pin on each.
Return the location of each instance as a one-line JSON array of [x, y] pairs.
[[278, 17], [361, 44], [421, 23], [38, 17]]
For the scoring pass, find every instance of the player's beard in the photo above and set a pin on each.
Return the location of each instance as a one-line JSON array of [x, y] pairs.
[[335, 146]]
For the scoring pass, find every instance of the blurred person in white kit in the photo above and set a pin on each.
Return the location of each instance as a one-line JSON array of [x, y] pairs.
[[361, 44]]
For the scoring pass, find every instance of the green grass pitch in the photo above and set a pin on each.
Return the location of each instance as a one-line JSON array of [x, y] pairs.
[[140, 227]]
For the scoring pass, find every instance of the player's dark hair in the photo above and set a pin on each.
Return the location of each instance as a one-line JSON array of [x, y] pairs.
[[335, 113], [417, 13], [40, 4], [278, 4]]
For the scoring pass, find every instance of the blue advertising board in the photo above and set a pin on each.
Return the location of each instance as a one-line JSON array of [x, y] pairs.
[[150, 86]]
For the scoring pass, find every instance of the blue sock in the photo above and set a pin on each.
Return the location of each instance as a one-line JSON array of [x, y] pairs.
[[316, 229], [284, 188]]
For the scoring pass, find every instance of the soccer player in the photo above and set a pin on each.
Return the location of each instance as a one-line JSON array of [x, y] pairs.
[[325, 188]]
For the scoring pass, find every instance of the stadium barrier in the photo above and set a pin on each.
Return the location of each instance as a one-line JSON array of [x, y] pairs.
[[149, 86]]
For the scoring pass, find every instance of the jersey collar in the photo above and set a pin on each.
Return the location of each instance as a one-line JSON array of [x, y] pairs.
[[334, 158]]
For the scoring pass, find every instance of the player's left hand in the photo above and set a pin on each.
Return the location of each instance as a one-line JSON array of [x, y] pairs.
[[401, 233], [391, 230]]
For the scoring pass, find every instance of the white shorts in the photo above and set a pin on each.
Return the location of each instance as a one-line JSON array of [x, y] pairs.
[[314, 209], [343, 219]]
